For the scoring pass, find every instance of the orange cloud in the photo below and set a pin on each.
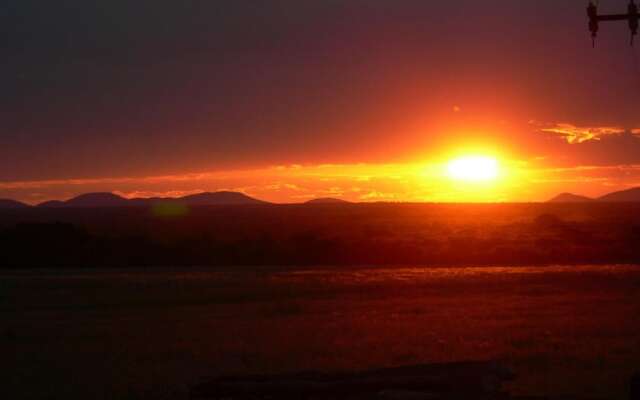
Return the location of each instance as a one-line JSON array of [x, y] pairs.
[[579, 134]]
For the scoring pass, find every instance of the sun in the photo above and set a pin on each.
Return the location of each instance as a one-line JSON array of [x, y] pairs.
[[474, 169]]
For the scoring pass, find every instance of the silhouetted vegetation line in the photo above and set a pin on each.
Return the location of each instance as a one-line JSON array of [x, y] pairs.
[[374, 234]]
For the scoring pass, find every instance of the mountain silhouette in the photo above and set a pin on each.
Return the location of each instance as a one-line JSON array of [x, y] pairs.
[[629, 195], [105, 199], [7, 203], [327, 200], [570, 198], [52, 204], [97, 200], [101, 200], [219, 198]]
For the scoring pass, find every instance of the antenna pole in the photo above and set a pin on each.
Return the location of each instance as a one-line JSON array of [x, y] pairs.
[[632, 17]]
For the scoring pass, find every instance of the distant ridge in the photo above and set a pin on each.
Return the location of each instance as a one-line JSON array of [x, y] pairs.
[[220, 198], [97, 200], [102, 200], [7, 203], [570, 198], [52, 204], [327, 200], [105, 199], [622, 196], [629, 195]]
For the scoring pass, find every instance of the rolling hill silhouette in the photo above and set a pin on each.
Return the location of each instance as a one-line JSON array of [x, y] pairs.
[[97, 200], [102, 200], [622, 196], [105, 199], [630, 195], [570, 198], [327, 200], [7, 203], [219, 198], [52, 204]]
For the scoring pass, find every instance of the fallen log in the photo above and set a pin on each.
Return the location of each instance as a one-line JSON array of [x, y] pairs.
[[479, 379]]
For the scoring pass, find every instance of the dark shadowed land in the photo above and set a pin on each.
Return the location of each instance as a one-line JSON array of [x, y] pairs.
[[80, 318], [132, 334], [326, 234]]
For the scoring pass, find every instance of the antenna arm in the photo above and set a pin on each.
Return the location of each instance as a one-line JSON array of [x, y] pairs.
[[614, 17]]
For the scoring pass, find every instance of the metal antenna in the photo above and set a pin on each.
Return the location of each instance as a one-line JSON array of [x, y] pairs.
[[594, 24], [632, 17]]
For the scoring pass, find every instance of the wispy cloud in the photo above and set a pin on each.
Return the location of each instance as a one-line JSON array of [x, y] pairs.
[[574, 134]]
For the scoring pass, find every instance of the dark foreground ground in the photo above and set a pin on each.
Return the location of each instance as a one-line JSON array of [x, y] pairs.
[[295, 235], [140, 334]]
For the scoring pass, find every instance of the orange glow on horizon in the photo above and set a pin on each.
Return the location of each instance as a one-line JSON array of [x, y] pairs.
[[431, 180]]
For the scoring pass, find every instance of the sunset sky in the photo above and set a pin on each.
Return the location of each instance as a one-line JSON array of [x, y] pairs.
[[287, 100]]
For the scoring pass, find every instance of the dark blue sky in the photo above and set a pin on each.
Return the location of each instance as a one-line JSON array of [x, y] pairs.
[[132, 88]]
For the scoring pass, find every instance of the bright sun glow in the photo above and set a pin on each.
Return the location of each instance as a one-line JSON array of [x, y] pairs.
[[474, 168]]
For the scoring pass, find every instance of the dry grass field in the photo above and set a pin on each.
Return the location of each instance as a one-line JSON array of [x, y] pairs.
[[134, 334]]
